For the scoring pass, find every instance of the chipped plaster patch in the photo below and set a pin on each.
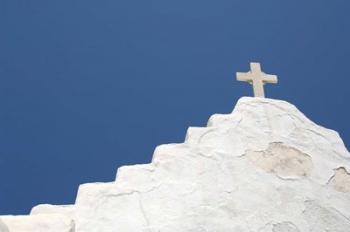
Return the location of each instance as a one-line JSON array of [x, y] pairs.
[[284, 161], [340, 180]]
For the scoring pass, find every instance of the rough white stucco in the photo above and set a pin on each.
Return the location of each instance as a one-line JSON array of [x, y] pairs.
[[37, 223], [265, 167]]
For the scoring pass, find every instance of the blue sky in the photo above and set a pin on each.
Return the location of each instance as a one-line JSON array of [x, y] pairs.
[[88, 86]]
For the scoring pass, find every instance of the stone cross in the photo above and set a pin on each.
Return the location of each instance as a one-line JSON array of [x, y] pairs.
[[257, 78]]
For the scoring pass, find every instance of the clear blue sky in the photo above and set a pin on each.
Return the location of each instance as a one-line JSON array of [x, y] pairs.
[[88, 86]]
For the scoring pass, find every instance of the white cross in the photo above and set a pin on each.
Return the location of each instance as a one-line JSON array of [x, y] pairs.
[[257, 78]]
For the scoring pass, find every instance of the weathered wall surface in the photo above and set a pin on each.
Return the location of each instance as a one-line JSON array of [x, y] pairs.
[[265, 167]]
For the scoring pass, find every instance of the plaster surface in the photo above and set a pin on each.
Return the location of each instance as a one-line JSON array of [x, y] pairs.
[[265, 167]]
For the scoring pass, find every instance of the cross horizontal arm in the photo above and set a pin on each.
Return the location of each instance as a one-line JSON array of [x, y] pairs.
[[243, 76], [270, 79]]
